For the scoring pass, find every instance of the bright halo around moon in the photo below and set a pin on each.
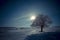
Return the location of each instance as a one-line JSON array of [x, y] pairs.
[[33, 17]]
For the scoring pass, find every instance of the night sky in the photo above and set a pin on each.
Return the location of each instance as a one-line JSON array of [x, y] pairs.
[[17, 13]]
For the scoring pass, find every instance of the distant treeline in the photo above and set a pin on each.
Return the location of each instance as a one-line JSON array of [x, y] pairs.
[[5, 29]]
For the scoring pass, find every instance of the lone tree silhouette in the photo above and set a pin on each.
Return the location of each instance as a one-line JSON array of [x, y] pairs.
[[41, 21]]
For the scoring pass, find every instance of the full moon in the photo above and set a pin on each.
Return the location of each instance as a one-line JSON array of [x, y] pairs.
[[33, 17]]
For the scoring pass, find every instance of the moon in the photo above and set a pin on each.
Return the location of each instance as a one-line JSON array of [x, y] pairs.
[[33, 18]]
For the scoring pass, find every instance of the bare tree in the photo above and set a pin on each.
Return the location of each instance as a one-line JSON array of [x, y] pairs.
[[41, 21]]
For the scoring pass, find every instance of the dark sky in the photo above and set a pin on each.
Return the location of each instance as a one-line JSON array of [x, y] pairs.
[[17, 13]]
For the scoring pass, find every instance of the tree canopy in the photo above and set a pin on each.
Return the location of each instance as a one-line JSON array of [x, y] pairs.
[[41, 21]]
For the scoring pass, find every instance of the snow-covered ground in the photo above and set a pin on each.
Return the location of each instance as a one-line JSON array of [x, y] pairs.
[[18, 34], [21, 34]]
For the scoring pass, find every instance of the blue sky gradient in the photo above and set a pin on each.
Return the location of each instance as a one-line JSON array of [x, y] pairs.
[[17, 13]]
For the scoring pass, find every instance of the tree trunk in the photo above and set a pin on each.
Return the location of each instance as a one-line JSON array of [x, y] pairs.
[[42, 28]]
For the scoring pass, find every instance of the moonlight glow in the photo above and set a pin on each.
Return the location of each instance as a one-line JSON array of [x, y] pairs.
[[33, 17]]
